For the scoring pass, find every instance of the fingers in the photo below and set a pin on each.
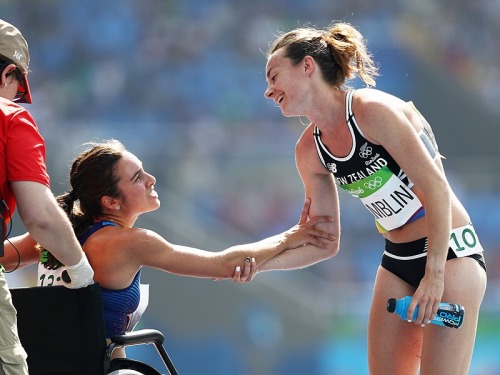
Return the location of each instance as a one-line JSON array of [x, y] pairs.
[[411, 310], [246, 269], [246, 274], [426, 310], [305, 211], [237, 274], [319, 219], [420, 314], [316, 233], [320, 242]]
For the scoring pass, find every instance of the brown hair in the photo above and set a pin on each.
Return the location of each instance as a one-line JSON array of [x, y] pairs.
[[92, 176], [340, 51]]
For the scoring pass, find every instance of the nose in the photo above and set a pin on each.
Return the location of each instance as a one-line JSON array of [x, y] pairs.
[[152, 178], [268, 94]]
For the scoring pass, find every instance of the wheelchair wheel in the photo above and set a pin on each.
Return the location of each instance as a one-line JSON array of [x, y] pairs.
[[131, 366]]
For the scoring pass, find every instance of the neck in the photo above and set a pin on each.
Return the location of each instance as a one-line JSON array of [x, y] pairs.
[[112, 219], [328, 110]]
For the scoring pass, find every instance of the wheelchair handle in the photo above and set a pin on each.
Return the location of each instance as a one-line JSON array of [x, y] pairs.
[[142, 336]]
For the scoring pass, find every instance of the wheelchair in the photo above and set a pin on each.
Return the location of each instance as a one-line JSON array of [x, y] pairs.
[[62, 330]]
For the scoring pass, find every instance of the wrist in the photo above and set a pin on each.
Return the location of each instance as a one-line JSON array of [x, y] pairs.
[[82, 261], [283, 243]]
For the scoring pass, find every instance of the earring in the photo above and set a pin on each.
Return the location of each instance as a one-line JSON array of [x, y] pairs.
[[117, 207]]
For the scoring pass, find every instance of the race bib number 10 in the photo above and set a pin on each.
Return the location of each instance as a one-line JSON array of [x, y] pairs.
[[464, 241]]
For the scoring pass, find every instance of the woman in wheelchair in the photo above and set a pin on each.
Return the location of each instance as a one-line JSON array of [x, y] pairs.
[[109, 191]]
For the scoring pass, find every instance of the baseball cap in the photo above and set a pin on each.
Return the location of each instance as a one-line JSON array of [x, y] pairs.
[[14, 47]]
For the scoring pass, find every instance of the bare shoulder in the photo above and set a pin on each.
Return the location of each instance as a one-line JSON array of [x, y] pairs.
[[373, 100], [378, 112], [306, 155], [113, 239], [306, 138]]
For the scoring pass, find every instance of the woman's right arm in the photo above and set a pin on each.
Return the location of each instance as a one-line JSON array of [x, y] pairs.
[[320, 188]]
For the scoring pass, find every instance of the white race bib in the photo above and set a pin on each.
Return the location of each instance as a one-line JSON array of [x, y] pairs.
[[48, 277], [464, 241], [390, 201]]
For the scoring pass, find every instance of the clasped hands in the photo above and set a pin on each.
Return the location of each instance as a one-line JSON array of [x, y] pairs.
[[302, 234]]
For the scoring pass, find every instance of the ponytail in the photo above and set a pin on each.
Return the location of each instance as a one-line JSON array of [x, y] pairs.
[[339, 51]]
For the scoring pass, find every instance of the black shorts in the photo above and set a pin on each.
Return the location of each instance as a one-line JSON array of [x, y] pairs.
[[410, 266]]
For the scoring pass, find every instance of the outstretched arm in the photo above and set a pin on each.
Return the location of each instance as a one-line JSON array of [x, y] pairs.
[[189, 261]]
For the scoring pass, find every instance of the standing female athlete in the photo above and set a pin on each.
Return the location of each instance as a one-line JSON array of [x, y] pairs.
[[380, 149]]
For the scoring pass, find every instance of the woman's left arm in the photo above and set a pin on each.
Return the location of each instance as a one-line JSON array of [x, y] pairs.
[[394, 125]]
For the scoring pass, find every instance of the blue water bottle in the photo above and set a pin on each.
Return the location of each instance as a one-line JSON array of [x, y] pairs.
[[448, 314]]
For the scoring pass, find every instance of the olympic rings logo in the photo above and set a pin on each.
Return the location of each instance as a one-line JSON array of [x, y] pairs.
[[365, 151], [374, 183]]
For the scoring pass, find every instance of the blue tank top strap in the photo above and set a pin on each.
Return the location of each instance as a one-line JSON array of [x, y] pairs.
[[94, 228]]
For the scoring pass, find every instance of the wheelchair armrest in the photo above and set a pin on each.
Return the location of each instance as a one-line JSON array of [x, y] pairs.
[[142, 336]]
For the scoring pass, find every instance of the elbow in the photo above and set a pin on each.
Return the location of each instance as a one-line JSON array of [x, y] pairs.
[[333, 249]]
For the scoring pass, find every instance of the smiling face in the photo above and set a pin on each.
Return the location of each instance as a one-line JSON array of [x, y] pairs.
[[285, 83], [136, 186]]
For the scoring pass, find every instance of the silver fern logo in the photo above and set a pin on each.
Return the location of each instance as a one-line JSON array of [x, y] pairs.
[[365, 151]]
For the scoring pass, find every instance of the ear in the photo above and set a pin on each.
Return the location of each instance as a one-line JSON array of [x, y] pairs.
[[8, 69], [109, 203], [309, 65]]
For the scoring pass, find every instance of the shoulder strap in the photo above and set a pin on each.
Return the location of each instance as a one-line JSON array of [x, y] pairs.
[[348, 105], [94, 228]]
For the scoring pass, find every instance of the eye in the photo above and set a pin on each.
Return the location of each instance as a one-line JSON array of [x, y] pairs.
[[273, 78]]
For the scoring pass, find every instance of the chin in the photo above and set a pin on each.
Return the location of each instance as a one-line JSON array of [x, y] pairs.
[[286, 113]]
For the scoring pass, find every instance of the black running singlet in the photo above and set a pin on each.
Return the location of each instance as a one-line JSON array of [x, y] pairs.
[[370, 173]]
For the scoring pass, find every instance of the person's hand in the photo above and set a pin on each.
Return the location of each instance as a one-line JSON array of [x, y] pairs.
[[80, 275], [427, 297], [247, 274], [305, 232]]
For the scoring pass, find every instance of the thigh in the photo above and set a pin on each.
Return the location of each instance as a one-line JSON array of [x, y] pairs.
[[394, 345], [449, 350]]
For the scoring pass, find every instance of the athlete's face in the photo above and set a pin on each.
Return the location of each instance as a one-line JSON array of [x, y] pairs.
[[284, 83], [136, 186]]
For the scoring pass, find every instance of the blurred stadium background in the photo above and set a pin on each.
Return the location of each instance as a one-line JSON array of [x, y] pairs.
[[181, 84]]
